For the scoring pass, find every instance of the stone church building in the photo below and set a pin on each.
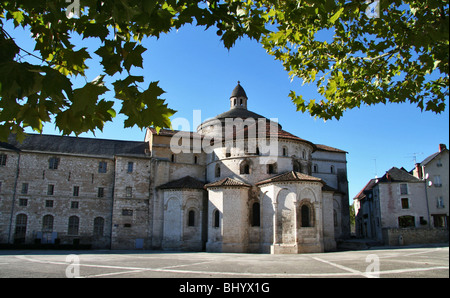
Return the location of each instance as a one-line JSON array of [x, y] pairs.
[[240, 183]]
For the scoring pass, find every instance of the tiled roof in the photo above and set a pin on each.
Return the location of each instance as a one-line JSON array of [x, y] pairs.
[[75, 145], [398, 175], [187, 182], [227, 182], [291, 176], [272, 130], [329, 149]]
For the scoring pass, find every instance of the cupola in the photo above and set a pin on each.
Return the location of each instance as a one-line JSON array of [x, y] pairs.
[[238, 98]]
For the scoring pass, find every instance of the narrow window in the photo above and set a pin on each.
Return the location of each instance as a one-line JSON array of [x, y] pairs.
[[217, 172], [24, 188], [255, 215], [172, 158], [216, 218], [3, 159], [101, 192], [195, 159], [130, 167], [305, 216], [332, 169], [74, 225], [76, 191], [191, 218], [50, 189], [21, 228]]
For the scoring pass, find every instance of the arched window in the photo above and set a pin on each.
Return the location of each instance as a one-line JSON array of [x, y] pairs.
[[244, 167], [332, 169], [216, 223], [99, 224], [21, 228], [74, 225], [255, 215], [315, 168], [307, 215], [285, 151], [296, 166], [191, 218], [47, 223], [217, 171]]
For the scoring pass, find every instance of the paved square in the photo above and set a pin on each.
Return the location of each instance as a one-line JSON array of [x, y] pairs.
[[400, 262]]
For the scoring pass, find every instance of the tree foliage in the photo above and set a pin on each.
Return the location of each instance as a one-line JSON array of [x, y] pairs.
[[400, 56]]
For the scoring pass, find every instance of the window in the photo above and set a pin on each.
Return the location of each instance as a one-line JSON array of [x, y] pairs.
[[3, 159], [50, 189], [21, 228], [255, 215], [102, 167], [285, 151], [74, 205], [440, 202], [244, 168], [305, 213], [49, 203], [47, 223], [53, 163], [195, 159], [304, 154], [315, 168], [405, 203], [129, 191], [74, 225], [272, 168], [437, 181], [191, 218], [23, 202], [99, 224], [406, 221], [172, 158], [101, 192], [296, 166], [403, 189], [332, 169], [76, 191], [24, 190], [130, 167], [217, 171], [216, 219]]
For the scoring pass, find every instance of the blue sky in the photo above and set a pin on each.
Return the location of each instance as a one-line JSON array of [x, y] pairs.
[[198, 73]]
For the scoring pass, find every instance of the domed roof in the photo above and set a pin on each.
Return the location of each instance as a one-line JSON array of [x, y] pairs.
[[238, 91]]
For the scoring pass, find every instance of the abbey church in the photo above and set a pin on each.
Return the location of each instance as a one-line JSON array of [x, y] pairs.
[[240, 183]]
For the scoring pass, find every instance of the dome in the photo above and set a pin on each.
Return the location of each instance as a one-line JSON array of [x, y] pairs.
[[238, 91]]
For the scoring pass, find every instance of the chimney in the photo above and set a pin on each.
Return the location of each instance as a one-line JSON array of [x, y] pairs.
[[419, 171], [442, 147]]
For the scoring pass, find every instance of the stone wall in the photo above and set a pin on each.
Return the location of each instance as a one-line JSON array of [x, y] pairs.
[[407, 236]]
